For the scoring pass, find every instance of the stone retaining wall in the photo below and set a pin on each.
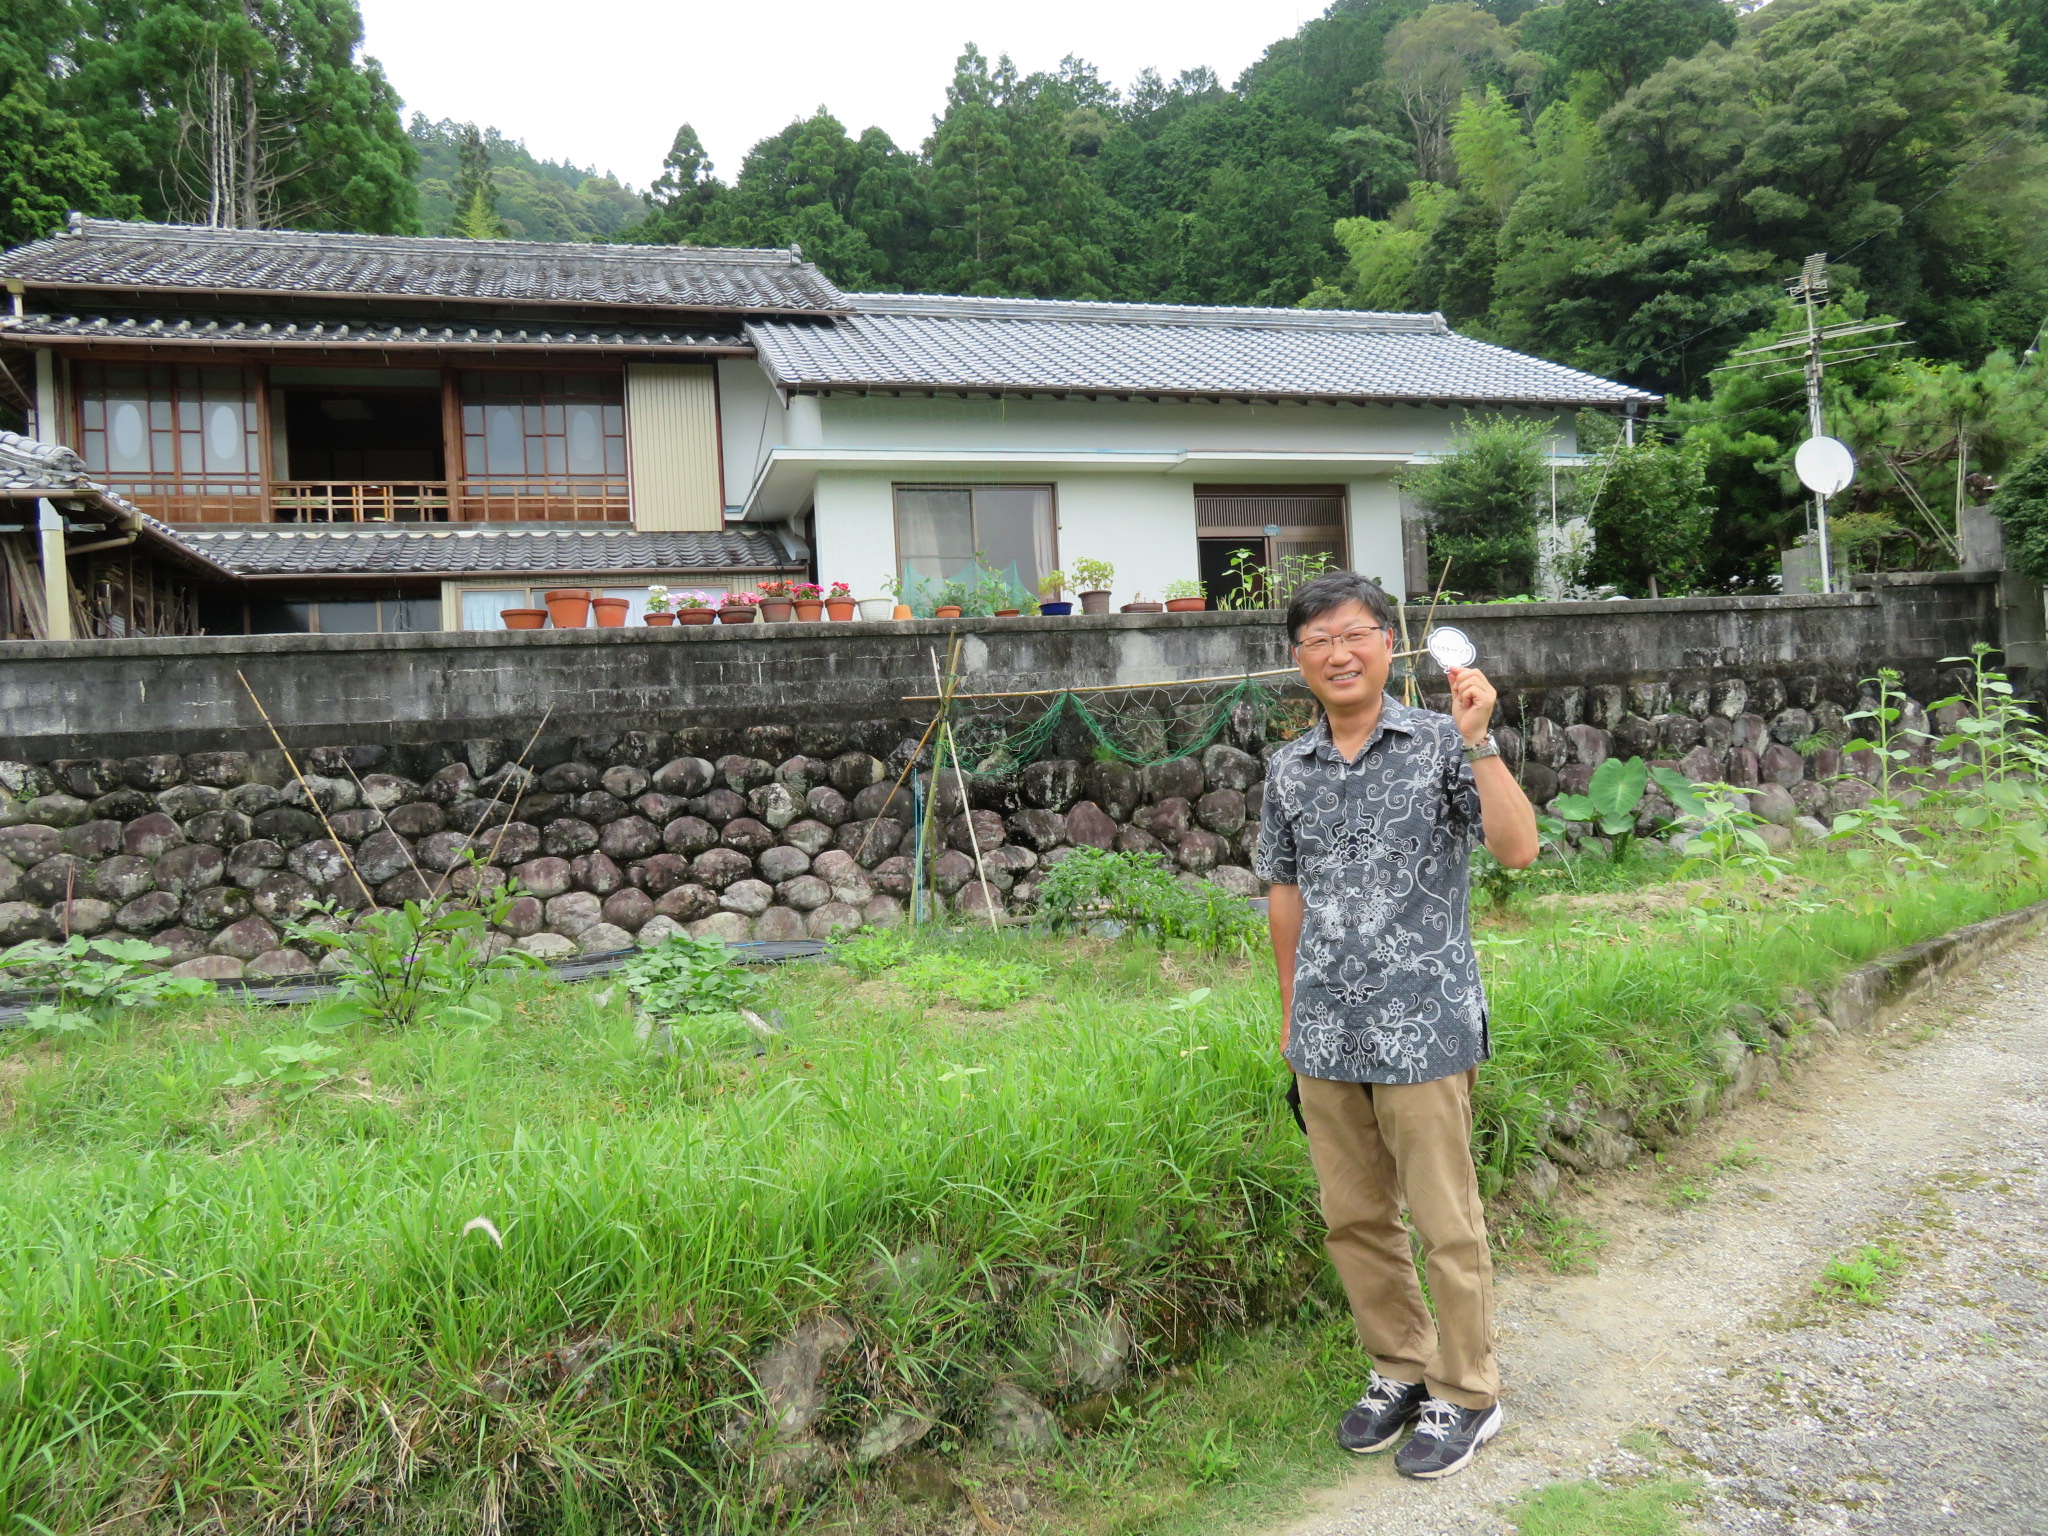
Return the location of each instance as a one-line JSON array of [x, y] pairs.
[[765, 832]]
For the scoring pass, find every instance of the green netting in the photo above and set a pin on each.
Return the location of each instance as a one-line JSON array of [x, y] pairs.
[[1139, 727]]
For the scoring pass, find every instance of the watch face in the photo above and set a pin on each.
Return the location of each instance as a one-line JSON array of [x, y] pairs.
[[1450, 647]]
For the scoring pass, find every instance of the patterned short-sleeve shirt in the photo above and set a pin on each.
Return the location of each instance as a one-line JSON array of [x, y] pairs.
[[1386, 983]]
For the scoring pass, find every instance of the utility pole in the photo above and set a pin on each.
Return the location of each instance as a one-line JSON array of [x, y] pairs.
[[1810, 290], [1810, 287]]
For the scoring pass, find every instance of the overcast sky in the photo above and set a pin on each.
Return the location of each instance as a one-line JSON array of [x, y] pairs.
[[606, 82]]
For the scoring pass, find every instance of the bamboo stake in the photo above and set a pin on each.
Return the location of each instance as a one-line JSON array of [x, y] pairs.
[[311, 798], [1408, 682], [988, 900]]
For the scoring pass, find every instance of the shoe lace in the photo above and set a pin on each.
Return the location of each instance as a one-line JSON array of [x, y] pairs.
[[1382, 1393], [1438, 1419]]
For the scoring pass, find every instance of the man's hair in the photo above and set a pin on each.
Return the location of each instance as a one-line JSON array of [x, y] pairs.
[[1328, 593]]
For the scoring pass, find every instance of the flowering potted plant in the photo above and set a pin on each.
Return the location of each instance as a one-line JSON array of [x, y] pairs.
[[809, 600], [693, 609], [658, 613], [1050, 586], [1091, 580], [839, 602], [774, 600], [1186, 597], [737, 608]]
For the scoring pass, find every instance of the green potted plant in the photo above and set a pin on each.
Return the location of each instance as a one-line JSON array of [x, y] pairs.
[[1186, 597], [658, 611], [1091, 580], [1050, 586], [1137, 604], [894, 605], [952, 600], [694, 609]]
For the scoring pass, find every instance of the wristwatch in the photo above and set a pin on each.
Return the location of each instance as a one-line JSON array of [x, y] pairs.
[[1487, 748]]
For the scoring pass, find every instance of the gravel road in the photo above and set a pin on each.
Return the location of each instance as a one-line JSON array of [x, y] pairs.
[[1924, 1413]]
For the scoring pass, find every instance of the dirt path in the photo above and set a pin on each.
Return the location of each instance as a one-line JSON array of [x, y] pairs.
[[1926, 1413]]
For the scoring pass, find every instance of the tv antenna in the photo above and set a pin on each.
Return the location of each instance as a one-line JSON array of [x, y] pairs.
[[1825, 465]]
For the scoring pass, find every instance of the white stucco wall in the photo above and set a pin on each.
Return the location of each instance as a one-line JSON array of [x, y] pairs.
[[855, 530], [1143, 525], [1375, 531], [751, 422]]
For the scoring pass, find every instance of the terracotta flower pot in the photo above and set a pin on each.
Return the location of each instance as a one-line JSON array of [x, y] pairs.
[[809, 613], [949, 611], [774, 610], [1186, 604], [569, 607], [524, 618], [738, 613], [696, 616], [1055, 610], [658, 620], [839, 609], [1008, 613], [1095, 602], [902, 611], [1144, 608], [611, 611]]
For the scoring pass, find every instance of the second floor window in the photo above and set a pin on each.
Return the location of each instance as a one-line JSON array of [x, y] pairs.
[[523, 429]]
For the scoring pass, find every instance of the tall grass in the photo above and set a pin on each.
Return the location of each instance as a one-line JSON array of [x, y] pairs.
[[232, 1308]]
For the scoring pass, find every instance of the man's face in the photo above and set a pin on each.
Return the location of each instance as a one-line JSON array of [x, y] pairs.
[[1345, 656]]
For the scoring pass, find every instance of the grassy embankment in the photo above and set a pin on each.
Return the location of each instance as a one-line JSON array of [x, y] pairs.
[[241, 1306]]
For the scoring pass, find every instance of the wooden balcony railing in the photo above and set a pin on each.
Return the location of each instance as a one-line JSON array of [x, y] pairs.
[[359, 501], [367, 501]]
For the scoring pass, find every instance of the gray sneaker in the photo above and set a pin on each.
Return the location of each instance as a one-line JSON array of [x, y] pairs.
[[1380, 1417], [1447, 1437]]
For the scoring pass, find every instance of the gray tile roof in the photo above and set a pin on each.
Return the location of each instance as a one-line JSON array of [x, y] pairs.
[[104, 253], [43, 468], [927, 342], [471, 551], [31, 469], [302, 331]]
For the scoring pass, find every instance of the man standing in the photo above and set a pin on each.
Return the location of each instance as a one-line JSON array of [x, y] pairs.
[[1368, 823]]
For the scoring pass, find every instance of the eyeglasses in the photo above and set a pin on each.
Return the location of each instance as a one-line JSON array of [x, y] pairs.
[[1318, 646]]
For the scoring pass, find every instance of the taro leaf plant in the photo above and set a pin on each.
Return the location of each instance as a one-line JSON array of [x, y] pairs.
[[403, 964], [94, 980], [1615, 795]]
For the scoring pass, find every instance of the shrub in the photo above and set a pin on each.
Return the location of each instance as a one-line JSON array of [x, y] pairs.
[[403, 963], [2022, 506], [1652, 520], [1481, 505]]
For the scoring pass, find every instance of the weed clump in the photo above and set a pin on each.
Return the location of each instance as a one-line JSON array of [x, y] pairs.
[[1138, 891]]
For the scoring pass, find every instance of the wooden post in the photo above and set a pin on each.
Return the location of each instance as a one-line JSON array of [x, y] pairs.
[[451, 443], [56, 574]]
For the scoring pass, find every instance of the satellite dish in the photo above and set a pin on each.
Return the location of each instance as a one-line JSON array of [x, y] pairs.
[[1451, 648], [1824, 465]]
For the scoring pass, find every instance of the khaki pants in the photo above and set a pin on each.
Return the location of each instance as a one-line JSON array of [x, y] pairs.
[[1376, 1147]]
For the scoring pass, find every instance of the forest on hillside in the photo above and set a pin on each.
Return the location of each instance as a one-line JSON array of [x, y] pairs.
[[1621, 185]]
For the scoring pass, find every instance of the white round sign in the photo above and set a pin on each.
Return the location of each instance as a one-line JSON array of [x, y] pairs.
[[1824, 465], [1451, 648]]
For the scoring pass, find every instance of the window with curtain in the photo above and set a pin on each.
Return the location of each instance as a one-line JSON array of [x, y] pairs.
[[167, 429], [524, 430], [940, 529]]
